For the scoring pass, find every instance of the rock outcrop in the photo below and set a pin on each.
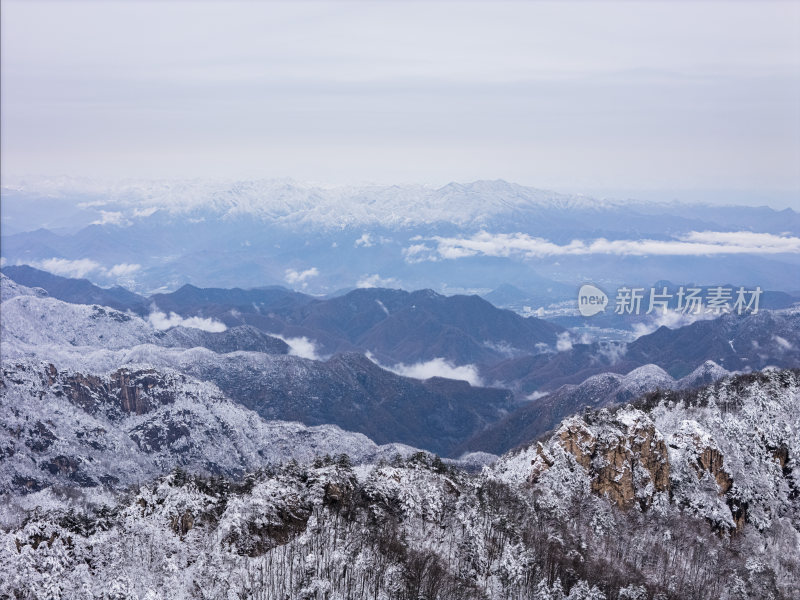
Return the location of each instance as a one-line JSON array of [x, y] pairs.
[[627, 465], [125, 392]]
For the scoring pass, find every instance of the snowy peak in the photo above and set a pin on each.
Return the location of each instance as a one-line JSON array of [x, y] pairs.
[[685, 448], [706, 373], [10, 289], [476, 203], [113, 429]]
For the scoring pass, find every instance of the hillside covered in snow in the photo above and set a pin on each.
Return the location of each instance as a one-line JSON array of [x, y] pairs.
[[680, 495], [139, 456]]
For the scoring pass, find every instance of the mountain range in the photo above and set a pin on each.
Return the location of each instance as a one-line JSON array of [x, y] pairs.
[[374, 338], [182, 435], [479, 236]]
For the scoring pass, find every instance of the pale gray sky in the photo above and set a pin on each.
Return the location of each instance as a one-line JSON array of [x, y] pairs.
[[569, 95]]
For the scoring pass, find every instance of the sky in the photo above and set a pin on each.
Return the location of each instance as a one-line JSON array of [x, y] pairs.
[[662, 98]]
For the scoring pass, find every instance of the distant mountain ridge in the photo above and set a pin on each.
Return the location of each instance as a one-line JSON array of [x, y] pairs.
[[403, 328], [78, 291], [151, 235], [394, 325], [348, 389], [337, 206]]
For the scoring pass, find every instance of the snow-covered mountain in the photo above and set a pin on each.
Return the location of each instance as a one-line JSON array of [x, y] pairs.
[[139, 454], [11, 289], [474, 204], [131, 425], [297, 203], [253, 370], [31, 320], [471, 236], [689, 495], [726, 453], [545, 410], [260, 371], [734, 342]]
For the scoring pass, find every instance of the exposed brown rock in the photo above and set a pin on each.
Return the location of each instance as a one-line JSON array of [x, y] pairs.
[[128, 392], [333, 495], [712, 461], [621, 466], [540, 463], [619, 479], [629, 463], [182, 524], [578, 440]]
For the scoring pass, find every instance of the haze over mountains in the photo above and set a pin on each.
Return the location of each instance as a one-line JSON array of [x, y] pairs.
[[449, 385], [258, 369], [476, 236]]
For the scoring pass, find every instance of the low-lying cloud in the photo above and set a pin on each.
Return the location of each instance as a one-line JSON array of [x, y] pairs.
[[82, 267], [111, 218], [292, 276], [564, 341], [783, 343], [438, 367], [375, 280], [365, 240], [123, 270], [611, 352], [301, 347], [670, 318], [68, 268], [160, 320], [694, 243]]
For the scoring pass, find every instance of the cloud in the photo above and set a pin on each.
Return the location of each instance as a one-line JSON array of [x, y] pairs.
[[160, 320], [82, 267], [438, 367], [564, 342], [419, 253], [301, 346], [123, 270], [111, 218], [92, 204], [145, 212], [293, 276], [611, 352], [371, 281], [670, 318], [783, 342], [365, 240], [695, 243], [68, 268]]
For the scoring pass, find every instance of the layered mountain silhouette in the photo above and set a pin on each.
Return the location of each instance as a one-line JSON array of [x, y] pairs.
[[394, 325], [533, 383]]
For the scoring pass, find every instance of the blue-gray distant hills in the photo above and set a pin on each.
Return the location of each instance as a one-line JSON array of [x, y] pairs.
[[526, 373], [474, 236]]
